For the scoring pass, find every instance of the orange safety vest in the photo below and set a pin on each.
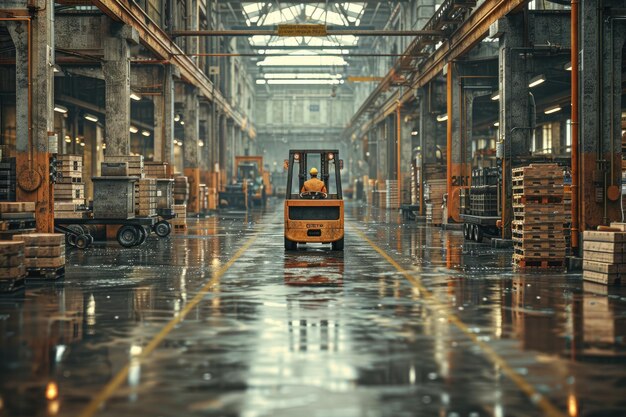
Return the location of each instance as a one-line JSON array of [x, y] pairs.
[[314, 185]]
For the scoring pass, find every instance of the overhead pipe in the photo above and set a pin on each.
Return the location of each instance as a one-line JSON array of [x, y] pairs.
[[575, 127]]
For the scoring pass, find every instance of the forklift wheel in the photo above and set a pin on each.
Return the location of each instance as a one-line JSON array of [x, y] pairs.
[[82, 241], [290, 245], [338, 245], [478, 234]]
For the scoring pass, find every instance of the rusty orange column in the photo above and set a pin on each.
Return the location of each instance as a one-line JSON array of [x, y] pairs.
[[455, 168]]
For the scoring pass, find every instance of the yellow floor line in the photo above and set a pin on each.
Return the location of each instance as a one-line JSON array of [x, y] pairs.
[[121, 376], [535, 397]]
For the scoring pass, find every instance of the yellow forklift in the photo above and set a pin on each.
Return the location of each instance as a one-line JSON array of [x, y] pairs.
[[314, 216]]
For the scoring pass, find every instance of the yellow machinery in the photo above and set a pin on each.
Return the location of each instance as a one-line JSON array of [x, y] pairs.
[[313, 217], [250, 186]]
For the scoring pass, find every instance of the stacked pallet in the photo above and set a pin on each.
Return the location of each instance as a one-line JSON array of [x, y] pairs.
[[16, 218], [203, 194], [43, 252], [604, 256], [538, 240], [434, 191], [155, 170], [567, 217], [135, 163], [12, 269], [181, 190], [391, 187], [179, 222], [8, 180], [69, 189], [146, 197]]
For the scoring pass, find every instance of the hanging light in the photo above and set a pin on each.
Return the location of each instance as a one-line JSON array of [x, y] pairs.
[[60, 109], [145, 133], [568, 66], [200, 143], [552, 109], [442, 117], [177, 117], [68, 139], [135, 96], [535, 81], [82, 144], [133, 129], [91, 117], [496, 124], [495, 96], [182, 122]]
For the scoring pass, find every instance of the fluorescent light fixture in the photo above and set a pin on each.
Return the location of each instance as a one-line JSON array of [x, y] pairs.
[[68, 139], [82, 144], [60, 109], [442, 117], [495, 96], [552, 109], [145, 133], [302, 76], [177, 117], [200, 143], [104, 146], [535, 81], [133, 129], [496, 124], [182, 122], [135, 96], [90, 117], [568, 66], [261, 82], [56, 68], [304, 82]]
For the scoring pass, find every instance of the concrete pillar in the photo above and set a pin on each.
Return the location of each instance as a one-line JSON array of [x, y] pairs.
[[225, 168], [601, 42], [190, 148], [116, 69], [515, 122], [192, 19], [456, 175], [35, 109], [164, 119]]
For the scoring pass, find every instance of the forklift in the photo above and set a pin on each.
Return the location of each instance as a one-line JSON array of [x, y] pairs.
[[310, 216]]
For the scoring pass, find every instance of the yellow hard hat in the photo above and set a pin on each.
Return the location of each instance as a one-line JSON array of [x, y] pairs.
[[313, 171]]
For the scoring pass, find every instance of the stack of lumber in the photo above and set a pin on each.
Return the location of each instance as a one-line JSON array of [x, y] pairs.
[[538, 240], [434, 191], [16, 218], [8, 179], [155, 170], [181, 190], [11, 264], [69, 189], [43, 251], [604, 255], [146, 197], [391, 186], [180, 219], [135, 163]]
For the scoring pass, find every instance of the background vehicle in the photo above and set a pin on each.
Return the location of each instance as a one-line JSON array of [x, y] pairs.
[[251, 186], [314, 217]]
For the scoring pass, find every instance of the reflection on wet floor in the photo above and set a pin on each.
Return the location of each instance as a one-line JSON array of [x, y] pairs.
[[311, 332]]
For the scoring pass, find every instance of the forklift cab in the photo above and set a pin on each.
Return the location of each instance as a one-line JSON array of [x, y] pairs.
[[314, 217]]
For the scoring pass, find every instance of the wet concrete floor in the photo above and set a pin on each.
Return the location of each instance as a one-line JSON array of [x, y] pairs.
[[408, 321]]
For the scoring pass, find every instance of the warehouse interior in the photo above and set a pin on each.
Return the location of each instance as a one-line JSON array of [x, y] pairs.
[[162, 254]]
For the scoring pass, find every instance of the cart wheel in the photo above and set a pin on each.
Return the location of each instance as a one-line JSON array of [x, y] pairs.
[[162, 228], [290, 244], [466, 231], [478, 234], [128, 236], [70, 240], [338, 245], [143, 234], [82, 241]]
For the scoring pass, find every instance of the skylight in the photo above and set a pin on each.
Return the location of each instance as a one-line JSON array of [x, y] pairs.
[[297, 61]]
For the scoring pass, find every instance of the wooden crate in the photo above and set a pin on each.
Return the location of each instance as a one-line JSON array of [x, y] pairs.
[[69, 192], [18, 207]]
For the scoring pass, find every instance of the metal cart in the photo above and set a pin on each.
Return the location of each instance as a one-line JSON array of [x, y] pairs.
[[133, 232]]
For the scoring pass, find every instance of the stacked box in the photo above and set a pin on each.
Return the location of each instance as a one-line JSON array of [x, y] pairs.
[[8, 179], [181, 190], [538, 217], [43, 250], [11, 261], [391, 186], [604, 256], [203, 193], [434, 191], [135, 163], [146, 197], [16, 217], [180, 216], [69, 189], [155, 170]]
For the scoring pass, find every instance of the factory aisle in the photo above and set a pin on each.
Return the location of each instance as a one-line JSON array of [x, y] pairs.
[[408, 321]]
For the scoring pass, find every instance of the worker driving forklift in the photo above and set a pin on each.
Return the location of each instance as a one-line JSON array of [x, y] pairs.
[[314, 209]]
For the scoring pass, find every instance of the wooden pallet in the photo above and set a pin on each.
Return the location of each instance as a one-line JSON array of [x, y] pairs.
[[540, 254], [536, 200], [602, 278], [69, 179], [10, 285], [537, 181], [607, 247], [521, 235], [539, 218], [535, 227], [538, 264], [48, 274], [594, 236], [538, 171], [538, 191], [541, 245]]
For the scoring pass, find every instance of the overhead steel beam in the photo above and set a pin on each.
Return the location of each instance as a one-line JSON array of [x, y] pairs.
[[329, 32], [469, 33], [157, 41]]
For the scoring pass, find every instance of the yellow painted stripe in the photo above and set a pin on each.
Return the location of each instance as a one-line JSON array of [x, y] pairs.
[[549, 409], [121, 376]]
